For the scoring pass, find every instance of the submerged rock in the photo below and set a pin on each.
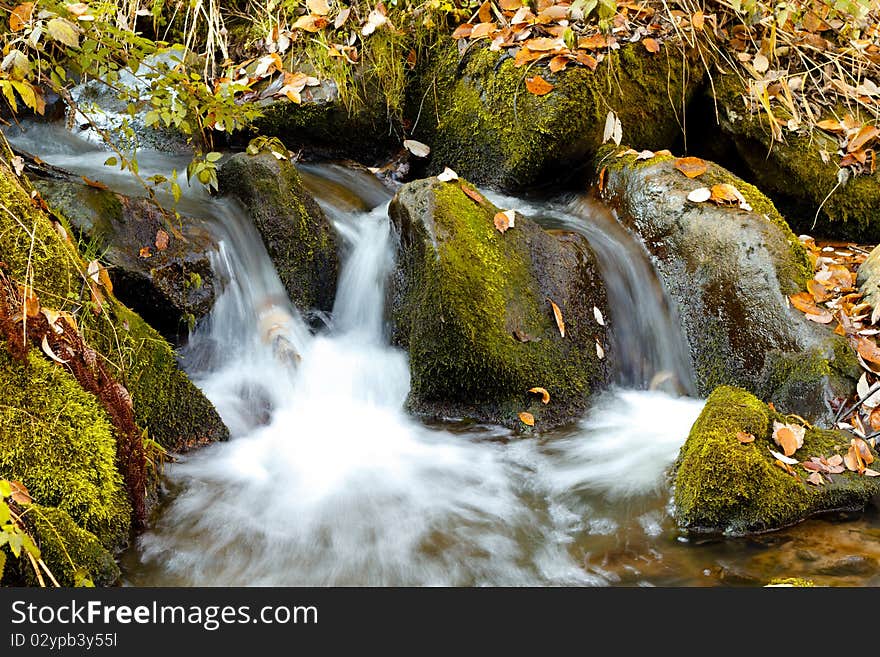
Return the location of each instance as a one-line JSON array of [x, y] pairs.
[[479, 119], [729, 271], [472, 306], [298, 236], [724, 486], [172, 287], [801, 180]]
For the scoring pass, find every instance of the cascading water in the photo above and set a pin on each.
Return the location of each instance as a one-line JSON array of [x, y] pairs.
[[327, 481]]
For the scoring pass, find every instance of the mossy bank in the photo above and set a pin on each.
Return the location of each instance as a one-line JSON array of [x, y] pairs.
[[724, 486], [473, 306]]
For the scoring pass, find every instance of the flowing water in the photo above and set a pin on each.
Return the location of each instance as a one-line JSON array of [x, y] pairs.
[[328, 481]]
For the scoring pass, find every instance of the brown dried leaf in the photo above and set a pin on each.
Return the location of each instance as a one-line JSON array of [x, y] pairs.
[[820, 292], [463, 31], [545, 396], [20, 494], [557, 314], [744, 438], [527, 418], [691, 166], [868, 350], [473, 194], [866, 135], [482, 30], [835, 460], [538, 86], [94, 183], [145, 252], [21, 16], [790, 437], [558, 63], [651, 45], [162, 240], [864, 451], [504, 220], [816, 479]]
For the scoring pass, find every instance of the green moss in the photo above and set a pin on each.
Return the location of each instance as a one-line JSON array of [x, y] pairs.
[[722, 485], [65, 548], [57, 440], [465, 299], [479, 118], [795, 175]]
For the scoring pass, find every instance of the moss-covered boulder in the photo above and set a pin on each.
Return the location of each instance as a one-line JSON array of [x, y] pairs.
[[794, 172], [480, 120], [57, 439], [171, 287], [472, 306], [869, 278], [298, 236], [166, 402], [725, 486], [729, 271]]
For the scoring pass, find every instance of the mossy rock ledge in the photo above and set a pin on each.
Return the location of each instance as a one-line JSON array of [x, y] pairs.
[[722, 486], [472, 306], [475, 112], [171, 288], [729, 271], [794, 173], [297, 234]]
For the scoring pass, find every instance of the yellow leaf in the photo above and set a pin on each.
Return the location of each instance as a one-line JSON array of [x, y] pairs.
[[64, 31], [527, 418], [545, 396]]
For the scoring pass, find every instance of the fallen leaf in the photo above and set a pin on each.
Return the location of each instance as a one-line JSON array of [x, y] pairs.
[[600, 320], [463, 31], [820, 292], [504, 220], [48, 351], [558, 63], [613, 129], [145, 252], [545, 396], [867, 134], [482, 30], [760, 63], [62, 30], [783, 458], [318, 7], [310, 23], [30, 302], [645, 155], [17, 163], [162, 239], [698, 20], [527, 418], [538, 86], [651, 45], [871, 473], [803, 301], [417, 148], [94, 183], [559, 321], [790, 437], [20, 494], [835, 460], [744, 438], [864, 451], [600, 352], [868, 350], [816, 479], [447, 175], [691, 166], [20, 16], [341, 17], [700, 195]]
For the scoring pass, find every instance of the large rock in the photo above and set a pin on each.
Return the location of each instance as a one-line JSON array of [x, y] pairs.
[[298, 236], [472, 305], [869, 278], [479, 119], [794, 173], [172, 287], [729, 272], [724, 486]]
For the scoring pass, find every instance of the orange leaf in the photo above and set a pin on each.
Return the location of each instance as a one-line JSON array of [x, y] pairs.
[[560, 323], [162, 240], [831, 125], [473, 194], [504, 220], [867, 134], [744, 438], [587, 60], [651, 45], [510, 5], [803, 301], [538, 86], [545, 396], [558, 63], [145, 252], [602, 178], [868, 350], [819, 291], [29, 301], [595, 42], [790, 437], [463, 31], [527, 419], [21, 16], [698, 20], [19, 494], [482, 30], [691, 166], [724, 193], [94, 183]]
